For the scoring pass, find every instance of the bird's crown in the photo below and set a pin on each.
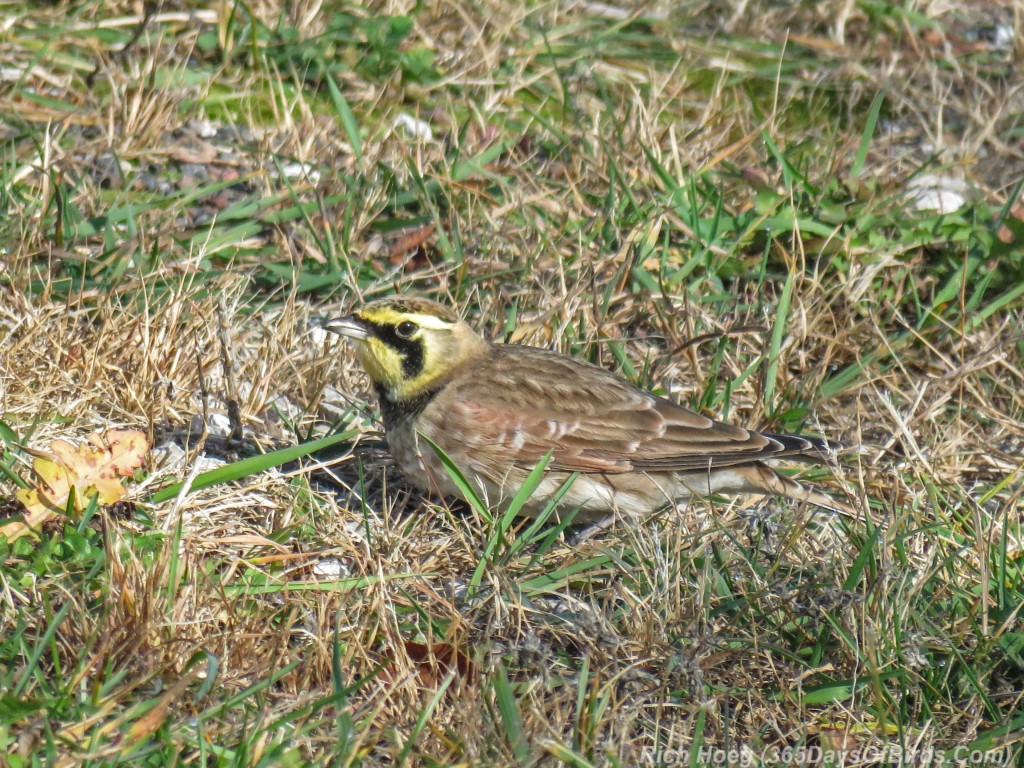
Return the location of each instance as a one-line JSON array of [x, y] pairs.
[[399, 309]]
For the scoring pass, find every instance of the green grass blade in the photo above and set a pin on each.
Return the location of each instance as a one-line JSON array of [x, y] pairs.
[[455, 473], [511, 718], [866, 135], [771, 370], [424, 716], [250, 466], [347, 117]]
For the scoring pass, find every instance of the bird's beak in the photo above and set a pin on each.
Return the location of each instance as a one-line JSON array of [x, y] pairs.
[[350, 326]]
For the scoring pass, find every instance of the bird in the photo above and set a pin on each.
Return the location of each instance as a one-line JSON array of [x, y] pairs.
[[497, 410]]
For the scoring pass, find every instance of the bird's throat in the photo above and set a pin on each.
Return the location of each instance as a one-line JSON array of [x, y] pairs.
[[395, 410]]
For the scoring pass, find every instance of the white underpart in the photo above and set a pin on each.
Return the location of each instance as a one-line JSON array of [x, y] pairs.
[[720, 481], [589, 492]]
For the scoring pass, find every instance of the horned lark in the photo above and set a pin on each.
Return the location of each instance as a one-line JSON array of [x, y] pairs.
[[496, 410]]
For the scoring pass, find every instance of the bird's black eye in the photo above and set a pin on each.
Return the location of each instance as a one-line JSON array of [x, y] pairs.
[[406, 329]]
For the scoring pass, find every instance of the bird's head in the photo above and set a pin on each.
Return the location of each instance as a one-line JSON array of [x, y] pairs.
[[408, 346]]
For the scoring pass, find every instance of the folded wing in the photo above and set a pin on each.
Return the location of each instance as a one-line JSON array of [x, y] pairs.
[[601, 424]]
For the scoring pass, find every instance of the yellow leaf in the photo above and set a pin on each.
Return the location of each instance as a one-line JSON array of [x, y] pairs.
[[93, 470], [127, 448], [56, 478]]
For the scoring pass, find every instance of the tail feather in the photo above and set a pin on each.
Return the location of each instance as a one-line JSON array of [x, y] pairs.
[[760, 478], [816, 449]]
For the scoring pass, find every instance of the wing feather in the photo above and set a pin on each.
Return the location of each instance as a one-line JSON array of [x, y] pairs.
[[531, 402]]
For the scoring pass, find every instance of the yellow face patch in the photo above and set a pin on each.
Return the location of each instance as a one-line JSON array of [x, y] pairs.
[[403, 348], [382, 362], [395, 352]]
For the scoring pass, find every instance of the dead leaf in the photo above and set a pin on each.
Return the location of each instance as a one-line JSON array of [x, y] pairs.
[[411, 242], [91, 470], [431, 660], [431, 663]]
